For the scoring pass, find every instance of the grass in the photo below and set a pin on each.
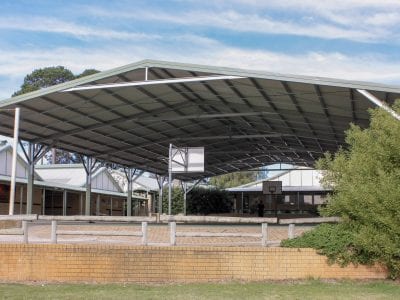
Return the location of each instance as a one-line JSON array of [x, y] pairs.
[[311, 289]]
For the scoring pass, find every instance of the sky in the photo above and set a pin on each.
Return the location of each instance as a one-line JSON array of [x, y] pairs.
[[349, 39]]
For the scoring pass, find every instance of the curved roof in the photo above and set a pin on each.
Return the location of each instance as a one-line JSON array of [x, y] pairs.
[[244, 119]]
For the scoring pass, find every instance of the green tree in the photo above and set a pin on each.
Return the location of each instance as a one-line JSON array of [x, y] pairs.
[[43, 78], [49, 76], [87, 72], [176, 199], [208, 201], [366, 182], [233, 179], [46, 77]]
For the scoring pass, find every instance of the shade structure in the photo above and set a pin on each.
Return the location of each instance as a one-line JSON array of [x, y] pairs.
[[244, 119]]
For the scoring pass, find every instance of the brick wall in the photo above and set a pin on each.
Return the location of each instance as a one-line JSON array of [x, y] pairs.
[[111, 263]]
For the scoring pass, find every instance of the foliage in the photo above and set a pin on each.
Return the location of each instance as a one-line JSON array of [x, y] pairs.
[[46, 77], [63, 157], [49, 76], [333, 240], [233, 179], [43, 78], [176, 201], [87, 72], [366, 182], [199, 201], [205, 201]]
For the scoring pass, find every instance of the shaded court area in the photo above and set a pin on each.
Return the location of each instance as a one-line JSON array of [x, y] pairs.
[[130, 116]]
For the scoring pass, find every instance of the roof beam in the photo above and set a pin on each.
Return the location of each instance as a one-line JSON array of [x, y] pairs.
[[100, 123], [325, 110], [86, 138], [247, 103], [151, 82], [268, 99], [227, 137], [228, 104], [300, 110], [198, 100], [379, 103], [353, 105]]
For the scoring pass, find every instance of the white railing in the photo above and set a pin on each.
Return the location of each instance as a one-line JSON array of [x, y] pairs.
[[55, 232], [170, 220], [174, 234], [18, 231]]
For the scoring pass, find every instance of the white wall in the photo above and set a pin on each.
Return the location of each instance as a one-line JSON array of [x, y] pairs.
[[103, 182], [5, 165]]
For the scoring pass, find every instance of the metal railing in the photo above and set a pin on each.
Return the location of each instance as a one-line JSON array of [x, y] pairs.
[[170, 220], [174, 234], [56, 232]]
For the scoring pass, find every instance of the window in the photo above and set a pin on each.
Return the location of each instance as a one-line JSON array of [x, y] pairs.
[[308, 199], [319, 199], [4, 193]]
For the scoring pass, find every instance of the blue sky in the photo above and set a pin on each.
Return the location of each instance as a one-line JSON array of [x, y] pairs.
[[353, 39]]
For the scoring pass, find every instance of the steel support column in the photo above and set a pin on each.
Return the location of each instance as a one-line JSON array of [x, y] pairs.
[[89, 167], [129, 197], [14, 162], [160, 182], [31, 175], [33, 155], [170, 180], [65, 195], [129, 173], [184, 188]]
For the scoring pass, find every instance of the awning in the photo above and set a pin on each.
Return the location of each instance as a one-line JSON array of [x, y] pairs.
[[244, 119]]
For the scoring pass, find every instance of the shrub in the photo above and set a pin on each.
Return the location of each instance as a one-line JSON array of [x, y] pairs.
[[366, 182], [206, 201]]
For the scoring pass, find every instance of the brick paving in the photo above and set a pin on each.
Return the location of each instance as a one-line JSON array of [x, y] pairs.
[[158, 234]]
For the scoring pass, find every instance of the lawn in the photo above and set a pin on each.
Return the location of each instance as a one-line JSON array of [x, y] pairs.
[[312, 289]]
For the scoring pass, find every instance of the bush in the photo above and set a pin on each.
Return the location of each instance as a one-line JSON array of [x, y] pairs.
[[204, 201], [366, 182], [332, 240], [176, 199]]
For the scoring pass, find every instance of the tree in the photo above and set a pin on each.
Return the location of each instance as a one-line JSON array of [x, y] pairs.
[[87, 72], [366, 182], [208, 201], [46, 77], [43, 78], [233, 179], [176, 199]]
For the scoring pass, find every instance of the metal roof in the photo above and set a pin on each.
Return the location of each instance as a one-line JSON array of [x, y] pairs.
[[244, 119], [286, 189]]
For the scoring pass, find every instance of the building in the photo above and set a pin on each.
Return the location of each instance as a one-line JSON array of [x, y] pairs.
[[302, 193], [60, 190]]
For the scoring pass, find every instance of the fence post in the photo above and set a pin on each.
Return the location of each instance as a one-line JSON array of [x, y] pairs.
[[264, 233], [25, 231], [54, 232], [172, 233], [291, 231], [144, 233]]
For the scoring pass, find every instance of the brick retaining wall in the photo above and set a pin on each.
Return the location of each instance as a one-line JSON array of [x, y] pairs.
[[145, 264]]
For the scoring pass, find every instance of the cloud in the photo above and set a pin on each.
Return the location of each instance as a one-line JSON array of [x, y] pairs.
[[193, 49], [355, 20], [52, 25]]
